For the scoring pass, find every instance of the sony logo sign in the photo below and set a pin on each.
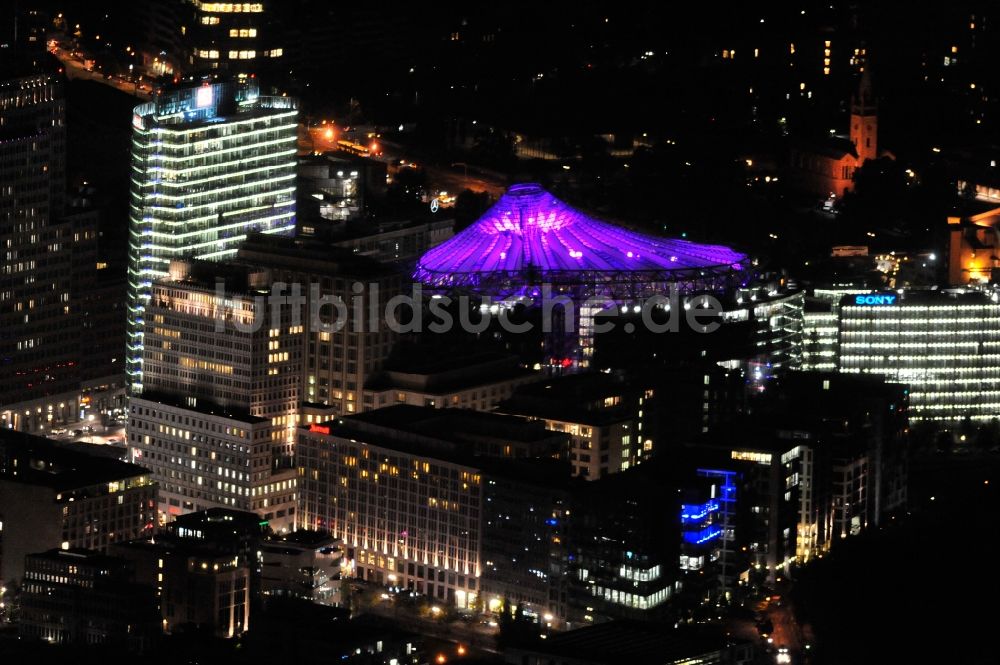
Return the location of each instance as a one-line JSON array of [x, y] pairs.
[[875, 299]]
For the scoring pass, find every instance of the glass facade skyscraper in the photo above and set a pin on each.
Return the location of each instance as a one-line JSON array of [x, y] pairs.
[[210, 164], [945, 346]]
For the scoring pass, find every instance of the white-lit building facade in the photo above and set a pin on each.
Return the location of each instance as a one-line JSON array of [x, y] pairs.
[[407, 519], [945, 346], [210, 164], [216, 421]]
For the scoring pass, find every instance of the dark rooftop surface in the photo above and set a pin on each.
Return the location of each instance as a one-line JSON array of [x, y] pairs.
[[204, 407], [219, 517], [309, 255], [296, 541], [43, 462], [445, 424], [451, 435], [835, 147], [442, 372], [802, 408], [576, 398], [78, 555]]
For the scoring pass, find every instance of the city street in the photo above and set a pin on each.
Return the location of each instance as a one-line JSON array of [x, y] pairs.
[[77, 69]]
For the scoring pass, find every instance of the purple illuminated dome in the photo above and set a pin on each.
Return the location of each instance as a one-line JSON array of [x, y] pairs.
[[530, 237]]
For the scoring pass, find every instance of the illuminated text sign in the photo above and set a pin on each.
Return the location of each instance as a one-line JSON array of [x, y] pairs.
[[875, 299]]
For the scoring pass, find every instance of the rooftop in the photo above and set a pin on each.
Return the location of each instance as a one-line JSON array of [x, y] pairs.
[[309, 255], [299, 540], [78, 555], [440, 371], [952, 297], [576, 398], [531, 235], [36, 460], [207, 103], [204, 407], [454, 435], [447, 424]]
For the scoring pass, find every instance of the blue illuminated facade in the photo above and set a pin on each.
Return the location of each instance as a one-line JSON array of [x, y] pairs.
[[696, 513], [707, 528]]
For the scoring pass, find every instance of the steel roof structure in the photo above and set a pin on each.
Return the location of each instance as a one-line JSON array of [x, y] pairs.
[[529, 239]]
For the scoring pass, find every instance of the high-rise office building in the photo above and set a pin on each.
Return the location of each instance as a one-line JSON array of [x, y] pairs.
[[60, 336], [403, 487], [624, 558], [216, 420], [821, 327], [823, 457], [197, 587], [606, 416], [37, 343], [342, 355], [209, 164], [237, 37], [944, 345]]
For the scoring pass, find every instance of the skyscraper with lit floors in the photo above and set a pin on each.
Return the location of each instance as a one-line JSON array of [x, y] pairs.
[[216, 420], [210, 163]]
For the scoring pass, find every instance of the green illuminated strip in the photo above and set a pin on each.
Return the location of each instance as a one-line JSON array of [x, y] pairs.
[[159, 221], [212, 153], [226, 201], [189, 234], [228, 123], [256, 158], [189, 183], [219, 190], [221, 139]]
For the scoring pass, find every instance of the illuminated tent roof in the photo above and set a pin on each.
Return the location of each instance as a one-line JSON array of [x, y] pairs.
[[530, 237]]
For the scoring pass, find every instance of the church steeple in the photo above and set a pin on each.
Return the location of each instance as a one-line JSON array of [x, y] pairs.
[[864, 119]]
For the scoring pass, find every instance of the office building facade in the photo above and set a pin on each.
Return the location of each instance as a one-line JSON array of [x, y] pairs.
[[59, 333], [38, 350], [216, 421], [403, 488], [302, 564], [196, 588], [209, 165], [944, 345], [624, 557], [606, 417], [406, 519], [80, 597], [350, 338], [51, 497], [236, 37], [832, 465]]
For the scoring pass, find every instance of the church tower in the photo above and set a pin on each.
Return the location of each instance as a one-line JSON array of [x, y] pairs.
[[864, 119]]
